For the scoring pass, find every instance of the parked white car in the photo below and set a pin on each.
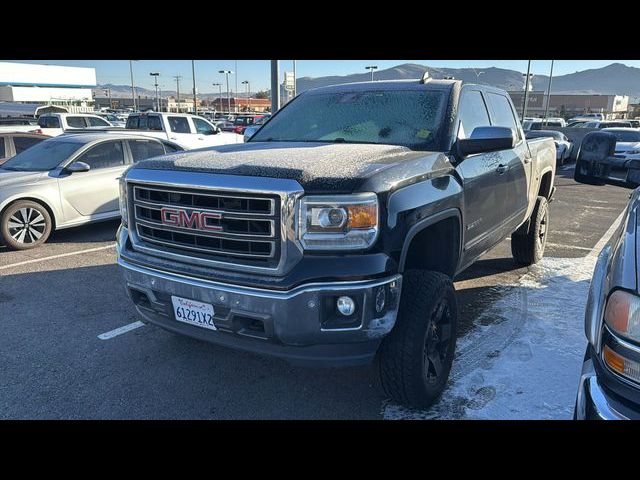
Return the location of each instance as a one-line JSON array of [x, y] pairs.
[[54, 124], [188, 131], [588, 117], [627, 142]]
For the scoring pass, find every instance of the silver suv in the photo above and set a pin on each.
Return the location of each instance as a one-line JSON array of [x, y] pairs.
[[67, 181]]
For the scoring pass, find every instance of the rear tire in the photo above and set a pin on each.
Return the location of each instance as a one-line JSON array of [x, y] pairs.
[[415, 358], [24, 225], [527, 245]]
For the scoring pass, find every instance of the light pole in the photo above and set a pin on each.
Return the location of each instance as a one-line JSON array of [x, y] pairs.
[[275, 86], [155, 78], [546, 108], [227, 73], [526, 89], [133, 88], [477, 75], [108, 92], [195, 99], [178, 77], [295, 79], [372, 68], [248, 84], [219, 85], [236, 77]]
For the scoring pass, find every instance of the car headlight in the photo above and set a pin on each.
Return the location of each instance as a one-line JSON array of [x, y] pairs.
[[632, 152], [338, 222], [123, 201], [622, 316]]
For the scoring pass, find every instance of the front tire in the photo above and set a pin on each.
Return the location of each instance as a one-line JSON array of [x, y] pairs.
[[24, 225], [415, 358], [527, 245]]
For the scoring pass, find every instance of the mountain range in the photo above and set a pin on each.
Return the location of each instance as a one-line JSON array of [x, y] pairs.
[[616, 78]]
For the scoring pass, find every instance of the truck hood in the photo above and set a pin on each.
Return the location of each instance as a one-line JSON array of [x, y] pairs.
[[8, 177], [315, 166]]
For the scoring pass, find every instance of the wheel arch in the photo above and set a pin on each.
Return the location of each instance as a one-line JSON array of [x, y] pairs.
[[37, 200], [434, 233]]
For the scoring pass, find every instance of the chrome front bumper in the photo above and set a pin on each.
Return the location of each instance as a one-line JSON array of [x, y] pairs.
[[593, 403], [300, 325]]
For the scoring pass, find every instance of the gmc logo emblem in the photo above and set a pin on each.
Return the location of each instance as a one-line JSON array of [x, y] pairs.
[[176, 217]]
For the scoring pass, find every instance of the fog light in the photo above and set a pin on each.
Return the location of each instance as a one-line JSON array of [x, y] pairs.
[[346, 306], [380, 299], [621, 365]]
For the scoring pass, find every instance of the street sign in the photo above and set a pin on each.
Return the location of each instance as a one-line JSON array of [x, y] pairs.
[[289, 81]]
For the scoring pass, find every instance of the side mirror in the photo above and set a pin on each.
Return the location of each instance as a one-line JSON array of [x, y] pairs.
[[77, 167], [597, 165], [487, 139]]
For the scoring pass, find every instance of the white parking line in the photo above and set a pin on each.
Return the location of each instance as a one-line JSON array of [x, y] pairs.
[[121, 330], [53, 257]]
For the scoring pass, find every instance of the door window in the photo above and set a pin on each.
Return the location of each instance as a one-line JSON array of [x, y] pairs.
[[22, 143], [179, 124], [97, 122], [142, 149], [104, 155], [502, 113], [473, 113], [202, 127], [76, 122]]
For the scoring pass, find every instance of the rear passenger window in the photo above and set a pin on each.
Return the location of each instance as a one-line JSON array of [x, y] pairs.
[[22, 143], [179, 124], [143, 149], [501, 112], [153, 123], [76, 122], [104, 155], [473, 113], [49, 122], [97, 122], [132, 122]]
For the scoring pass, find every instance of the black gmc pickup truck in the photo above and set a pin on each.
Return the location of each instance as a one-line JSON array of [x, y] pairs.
[[333, 236]]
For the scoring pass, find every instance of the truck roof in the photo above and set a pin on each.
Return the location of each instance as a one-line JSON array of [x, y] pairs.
[[386, 85]]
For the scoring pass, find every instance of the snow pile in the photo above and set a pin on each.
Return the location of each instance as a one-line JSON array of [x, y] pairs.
[[525, 362]]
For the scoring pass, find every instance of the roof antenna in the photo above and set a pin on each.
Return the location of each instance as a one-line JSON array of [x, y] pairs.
[[425, 78]]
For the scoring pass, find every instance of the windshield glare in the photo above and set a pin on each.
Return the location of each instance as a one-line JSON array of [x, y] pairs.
[[42, 157], [409, 118]]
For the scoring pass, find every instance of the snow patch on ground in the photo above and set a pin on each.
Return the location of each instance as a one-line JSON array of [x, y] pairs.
[[523, 359]]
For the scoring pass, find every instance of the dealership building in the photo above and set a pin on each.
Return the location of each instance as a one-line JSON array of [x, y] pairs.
[[68, 87], [567, 105]]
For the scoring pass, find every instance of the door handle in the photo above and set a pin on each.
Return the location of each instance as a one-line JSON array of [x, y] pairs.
[[200, 138], [527, 160], [502, 169], [173, 138]]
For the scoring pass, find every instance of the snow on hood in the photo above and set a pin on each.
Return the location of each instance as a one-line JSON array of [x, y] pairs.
[[313, 165], [8, 177]]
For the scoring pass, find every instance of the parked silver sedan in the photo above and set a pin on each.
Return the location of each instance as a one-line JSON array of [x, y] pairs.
[[67, 181]]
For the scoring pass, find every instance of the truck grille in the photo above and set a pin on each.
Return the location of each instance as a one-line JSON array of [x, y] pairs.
[[221, 226]]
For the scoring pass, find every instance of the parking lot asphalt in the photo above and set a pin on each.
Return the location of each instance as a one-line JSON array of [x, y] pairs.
[[55, 302]]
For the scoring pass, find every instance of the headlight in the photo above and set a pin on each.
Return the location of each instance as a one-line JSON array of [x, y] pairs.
[[632, 152], [622, 314], [342, 222], [123, 201]]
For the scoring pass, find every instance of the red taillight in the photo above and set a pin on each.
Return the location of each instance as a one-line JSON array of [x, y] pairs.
[[238, 130]]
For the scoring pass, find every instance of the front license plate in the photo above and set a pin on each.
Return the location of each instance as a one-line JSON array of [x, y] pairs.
[[192, 312]]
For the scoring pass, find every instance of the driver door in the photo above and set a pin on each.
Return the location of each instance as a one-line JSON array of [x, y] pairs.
[[96, 191]]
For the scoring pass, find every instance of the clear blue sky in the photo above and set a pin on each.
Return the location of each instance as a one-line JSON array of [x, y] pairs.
[[258, 71]]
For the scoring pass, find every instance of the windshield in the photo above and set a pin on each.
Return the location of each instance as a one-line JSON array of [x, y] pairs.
[[625, 135], [42, 157], [409, 118]]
